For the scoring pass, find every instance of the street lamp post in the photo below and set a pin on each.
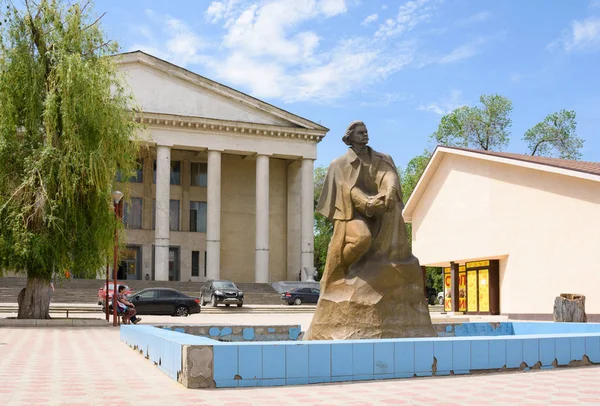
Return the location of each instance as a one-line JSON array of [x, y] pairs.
[[106, 294], [116, 196]]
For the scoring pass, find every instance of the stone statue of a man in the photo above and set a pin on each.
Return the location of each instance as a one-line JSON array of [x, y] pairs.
[[372, 286]]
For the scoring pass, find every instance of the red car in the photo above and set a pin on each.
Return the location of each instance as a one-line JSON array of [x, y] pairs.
[[101, 293]]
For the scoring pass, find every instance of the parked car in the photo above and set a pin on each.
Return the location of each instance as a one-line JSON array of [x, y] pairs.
[[440, 298], [298, 296], [221, 292], [101, 292], [164, 301]]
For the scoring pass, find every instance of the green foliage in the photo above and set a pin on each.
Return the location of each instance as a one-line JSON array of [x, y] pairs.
[[434, 278], [323, 227], [65, 128], [555, 136], [484, 127]]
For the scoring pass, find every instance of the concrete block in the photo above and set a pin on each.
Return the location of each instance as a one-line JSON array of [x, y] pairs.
[[273, 361], [514, 353], [362, 359], [461, 356], [547, 355], [341, 359], [480, 354], [562, 350], [296, 360], [198, 368], [497, 353], [423, 358], [592, 349], [250, 362], [404, 359], [442, 351], [577, 348], [531, 354], [319, 361], [383, 358], [225, 361]]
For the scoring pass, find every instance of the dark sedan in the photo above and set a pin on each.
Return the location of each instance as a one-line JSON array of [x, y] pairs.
[[163, 301], [301, 295]]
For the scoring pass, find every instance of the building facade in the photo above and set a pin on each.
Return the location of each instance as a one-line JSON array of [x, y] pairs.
[[225, 185], [511, 231]]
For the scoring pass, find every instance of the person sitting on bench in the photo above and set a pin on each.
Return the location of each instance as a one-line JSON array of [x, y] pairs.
[[126, 308]]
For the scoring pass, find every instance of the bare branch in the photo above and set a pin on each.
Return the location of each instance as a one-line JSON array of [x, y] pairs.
[[95, 22], [97, 48]]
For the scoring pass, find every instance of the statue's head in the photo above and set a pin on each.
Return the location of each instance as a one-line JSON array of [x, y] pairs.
[[356, 133]]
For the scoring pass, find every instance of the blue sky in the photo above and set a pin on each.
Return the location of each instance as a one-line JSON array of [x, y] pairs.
[[397, 65]]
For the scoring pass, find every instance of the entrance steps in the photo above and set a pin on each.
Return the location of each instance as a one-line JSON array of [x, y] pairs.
[[86, 290]]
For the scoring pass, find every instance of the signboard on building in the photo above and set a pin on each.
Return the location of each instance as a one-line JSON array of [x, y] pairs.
[[447, 289]]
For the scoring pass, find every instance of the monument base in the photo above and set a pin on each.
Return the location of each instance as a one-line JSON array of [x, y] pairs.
[[386, 303]]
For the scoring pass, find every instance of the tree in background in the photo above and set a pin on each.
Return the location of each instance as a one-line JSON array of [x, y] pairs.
[[485, 127], [555, 137], [323, 227], [65, 129]]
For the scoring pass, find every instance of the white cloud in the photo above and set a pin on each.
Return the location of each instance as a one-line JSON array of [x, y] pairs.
[[332, 8], [268, 52], [584, 35], [410, 14], [369, 19], [445, 105], [463, 52], [273, 48], [475, 18], [182, 46], [220, 10]]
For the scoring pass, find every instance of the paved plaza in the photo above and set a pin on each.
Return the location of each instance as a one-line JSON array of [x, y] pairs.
[[78, 366]]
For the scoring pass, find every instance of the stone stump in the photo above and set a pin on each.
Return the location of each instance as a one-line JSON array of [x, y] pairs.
[[569, 307]]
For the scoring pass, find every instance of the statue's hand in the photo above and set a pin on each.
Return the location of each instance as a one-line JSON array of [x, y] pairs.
[[376, 205], [390, 199]]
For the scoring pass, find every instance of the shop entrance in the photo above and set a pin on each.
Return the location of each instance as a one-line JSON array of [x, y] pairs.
[[473, 288]]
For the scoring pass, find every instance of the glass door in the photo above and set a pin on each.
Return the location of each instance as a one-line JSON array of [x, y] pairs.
[[173, 264]]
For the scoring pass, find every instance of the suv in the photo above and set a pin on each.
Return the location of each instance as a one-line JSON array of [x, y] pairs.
[[221, 291]]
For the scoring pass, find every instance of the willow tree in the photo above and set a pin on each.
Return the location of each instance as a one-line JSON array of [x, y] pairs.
[[65, 129]]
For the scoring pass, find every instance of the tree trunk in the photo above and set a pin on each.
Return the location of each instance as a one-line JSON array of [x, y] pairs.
[[570, 308], [34, 299]]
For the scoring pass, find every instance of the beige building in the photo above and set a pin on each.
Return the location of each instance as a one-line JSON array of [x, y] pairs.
[[225, 188], [514, 231]]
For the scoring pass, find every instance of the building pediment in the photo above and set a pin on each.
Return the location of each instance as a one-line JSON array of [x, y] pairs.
[[161, 88]]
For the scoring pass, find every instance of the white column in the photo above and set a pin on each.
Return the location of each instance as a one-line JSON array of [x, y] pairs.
[[261, 256], [161, 233], [213, 216], [294, 187], [307, 238]]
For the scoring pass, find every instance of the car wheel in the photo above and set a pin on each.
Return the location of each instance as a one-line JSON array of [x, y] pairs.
[[213, 301], [432, 299], [240, 304], [297, 301], [182, 311], [441, 300]]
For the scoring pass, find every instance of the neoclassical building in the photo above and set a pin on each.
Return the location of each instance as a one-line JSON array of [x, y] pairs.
[[225, 186]]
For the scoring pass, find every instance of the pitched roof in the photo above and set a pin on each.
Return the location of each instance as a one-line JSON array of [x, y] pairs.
[[580, 166], [578, 169], [168, 67]]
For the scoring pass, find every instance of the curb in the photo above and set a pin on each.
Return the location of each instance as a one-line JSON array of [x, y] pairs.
[[53, 323]]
